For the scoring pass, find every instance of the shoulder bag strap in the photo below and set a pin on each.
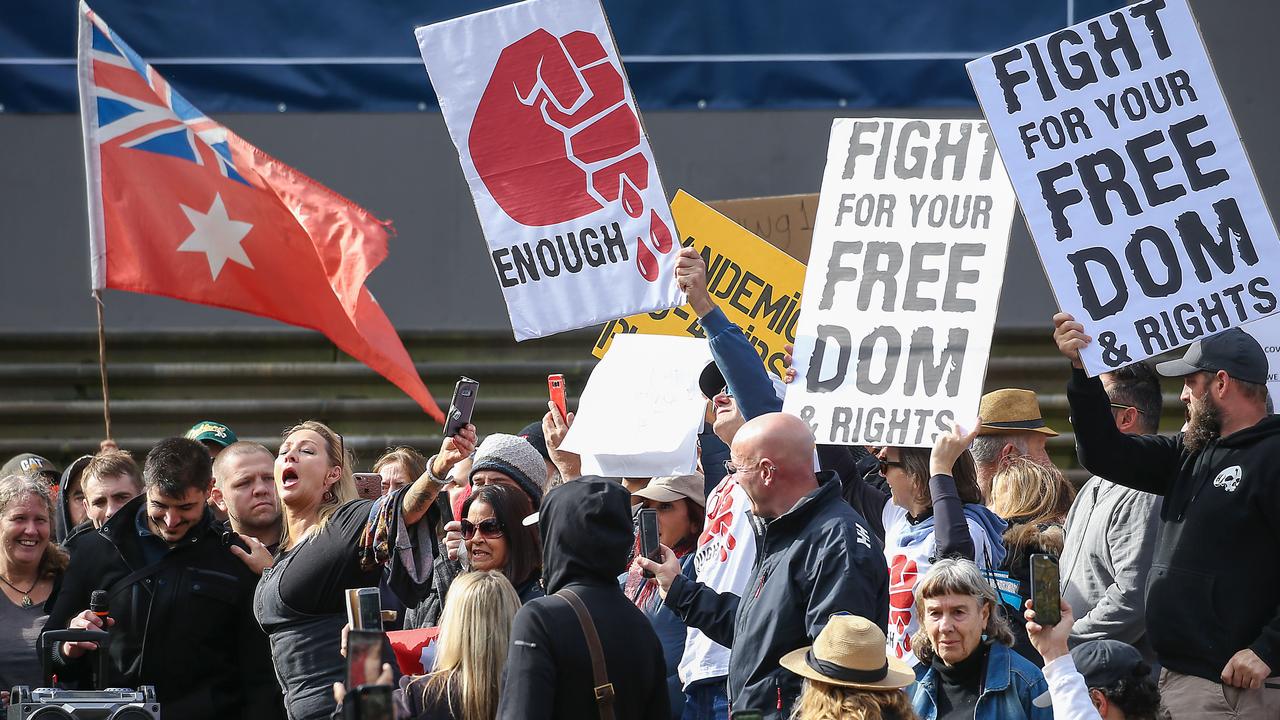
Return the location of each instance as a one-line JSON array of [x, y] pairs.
[[600, 674]]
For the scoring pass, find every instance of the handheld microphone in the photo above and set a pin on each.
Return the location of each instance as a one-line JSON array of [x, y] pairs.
[[99, 605]]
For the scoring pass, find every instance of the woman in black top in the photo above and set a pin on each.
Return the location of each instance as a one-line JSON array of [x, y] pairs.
[[333, 541]]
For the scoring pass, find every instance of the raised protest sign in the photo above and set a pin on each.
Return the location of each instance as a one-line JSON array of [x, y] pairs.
[[537, 103], [755, 284], [1133, 181], [641, 410], [1267, 332], [783, 221], [904, 279]]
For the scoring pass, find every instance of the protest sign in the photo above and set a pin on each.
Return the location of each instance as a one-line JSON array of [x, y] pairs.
[[1267, 332], [537, 103], [783, 221], [755, 284], [641, 410], [1133, 180], [904, 279]]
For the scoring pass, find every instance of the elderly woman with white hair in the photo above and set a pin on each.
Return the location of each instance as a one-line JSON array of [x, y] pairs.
[[968, 669]]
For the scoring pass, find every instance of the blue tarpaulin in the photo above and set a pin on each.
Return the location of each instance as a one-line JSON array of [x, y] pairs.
[[340, 55]]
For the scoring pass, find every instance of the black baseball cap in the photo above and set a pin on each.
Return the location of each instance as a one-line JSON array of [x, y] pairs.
[[711, 381], [1103, 663], [1233, 351]]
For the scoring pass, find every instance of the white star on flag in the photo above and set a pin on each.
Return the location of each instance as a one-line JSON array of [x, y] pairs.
[[216, 235]]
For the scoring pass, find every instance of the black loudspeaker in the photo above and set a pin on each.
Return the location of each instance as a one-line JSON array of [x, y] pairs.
[[110, 704]]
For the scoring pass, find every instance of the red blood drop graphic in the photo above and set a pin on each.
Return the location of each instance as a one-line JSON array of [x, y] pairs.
[[631, 200], [646, 263], [659, 232]]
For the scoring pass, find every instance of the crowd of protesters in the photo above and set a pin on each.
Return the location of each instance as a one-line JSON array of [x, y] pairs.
[[793, 580]]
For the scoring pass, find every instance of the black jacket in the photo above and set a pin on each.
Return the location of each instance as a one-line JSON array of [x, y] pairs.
[[816, 560], [1214, 585], [184, 624], [586, 535]]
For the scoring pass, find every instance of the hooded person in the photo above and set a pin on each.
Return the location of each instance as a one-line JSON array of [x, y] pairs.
[[587, 533], [71, 516]]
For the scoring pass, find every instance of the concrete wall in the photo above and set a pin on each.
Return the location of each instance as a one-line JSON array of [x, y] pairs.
[[404, 167]]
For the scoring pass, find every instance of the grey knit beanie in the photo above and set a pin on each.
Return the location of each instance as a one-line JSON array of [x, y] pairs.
[[516, 458]]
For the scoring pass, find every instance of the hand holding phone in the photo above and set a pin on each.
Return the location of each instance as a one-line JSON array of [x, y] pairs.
[[556, 389], [1046, 596], [463, 404], [649, 537]]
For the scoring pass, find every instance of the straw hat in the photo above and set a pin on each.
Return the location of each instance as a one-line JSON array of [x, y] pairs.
[[1011, 410], [850, 652]]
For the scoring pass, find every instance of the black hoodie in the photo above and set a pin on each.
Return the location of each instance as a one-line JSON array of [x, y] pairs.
[[1214, 585], [586, 536], [62, 526]]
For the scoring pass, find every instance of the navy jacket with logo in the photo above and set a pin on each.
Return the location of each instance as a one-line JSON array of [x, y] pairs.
[[1214, 585], [816, 560]]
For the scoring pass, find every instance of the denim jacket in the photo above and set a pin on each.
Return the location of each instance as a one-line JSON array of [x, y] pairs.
[[1012, 683]]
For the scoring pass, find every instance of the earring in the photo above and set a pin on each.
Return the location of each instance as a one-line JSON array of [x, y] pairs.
[[329, 496]]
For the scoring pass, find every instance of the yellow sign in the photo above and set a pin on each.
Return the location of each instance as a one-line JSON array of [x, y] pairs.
[[755, 284]]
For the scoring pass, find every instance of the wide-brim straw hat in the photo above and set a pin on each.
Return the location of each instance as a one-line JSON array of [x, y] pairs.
[[1011, 410], [850, 652]]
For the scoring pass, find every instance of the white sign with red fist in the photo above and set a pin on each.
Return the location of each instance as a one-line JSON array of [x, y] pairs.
[[577, 223]]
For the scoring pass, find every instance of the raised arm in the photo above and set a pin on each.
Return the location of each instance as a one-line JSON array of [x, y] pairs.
[[1142, 462], [738, 361], [423, 492], [951, 529]]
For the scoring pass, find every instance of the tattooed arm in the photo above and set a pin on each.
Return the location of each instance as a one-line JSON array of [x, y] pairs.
[[423, 492]]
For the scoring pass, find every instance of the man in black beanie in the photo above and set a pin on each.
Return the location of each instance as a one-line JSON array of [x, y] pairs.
[[586, 534]]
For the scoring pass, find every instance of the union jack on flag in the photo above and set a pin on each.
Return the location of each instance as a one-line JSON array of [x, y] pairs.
[[136, 107]]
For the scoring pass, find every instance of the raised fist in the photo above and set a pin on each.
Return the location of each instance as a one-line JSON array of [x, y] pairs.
[[553, 138]]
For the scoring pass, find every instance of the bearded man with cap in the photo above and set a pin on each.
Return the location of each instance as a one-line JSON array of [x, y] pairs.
[[1214, 587], [1012, 427]]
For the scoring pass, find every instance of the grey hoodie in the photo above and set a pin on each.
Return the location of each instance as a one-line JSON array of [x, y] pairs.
[[1111, 537]]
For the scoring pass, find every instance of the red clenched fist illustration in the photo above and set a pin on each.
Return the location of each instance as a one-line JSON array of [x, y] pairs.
[[554, 139]]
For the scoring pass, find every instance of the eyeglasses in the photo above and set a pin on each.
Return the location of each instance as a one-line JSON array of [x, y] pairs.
[[725, 391], [489, 529], [1121, 406], [886, 464]]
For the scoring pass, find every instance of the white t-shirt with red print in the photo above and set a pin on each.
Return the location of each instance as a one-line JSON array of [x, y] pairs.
[[909, 551], [723, 561]]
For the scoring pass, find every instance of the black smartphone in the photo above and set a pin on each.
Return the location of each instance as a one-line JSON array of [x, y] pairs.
[[371, 702], [364, 657], [232, 538], [649, 536], [464, 401], [1046, 597], [364, 608]]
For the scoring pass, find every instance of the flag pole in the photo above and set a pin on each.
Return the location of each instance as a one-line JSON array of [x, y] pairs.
[[102, 365]]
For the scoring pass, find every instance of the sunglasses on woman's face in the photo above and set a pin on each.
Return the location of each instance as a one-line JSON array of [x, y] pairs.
[[489, 528]]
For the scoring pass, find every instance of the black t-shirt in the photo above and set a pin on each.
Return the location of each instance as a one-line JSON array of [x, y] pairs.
[[328, 563]]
